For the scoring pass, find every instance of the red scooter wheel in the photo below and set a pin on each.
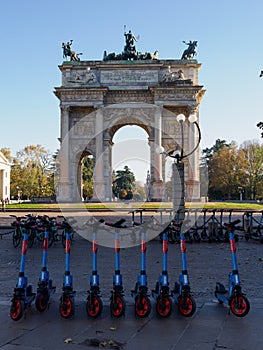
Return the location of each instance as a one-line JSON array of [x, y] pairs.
[[164, 306], [117, 306], [239, 305], [186, 305], [94, 306], [142, 305], [17, 309], [66, 307], [41, 301]]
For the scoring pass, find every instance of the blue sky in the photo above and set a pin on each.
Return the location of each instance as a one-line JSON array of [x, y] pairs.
[[229, 35]]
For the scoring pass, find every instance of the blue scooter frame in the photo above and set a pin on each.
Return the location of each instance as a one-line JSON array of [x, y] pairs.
[[117, 301], [67, 303], [45, 288], [162, 291], [234, 298], [23, 295], [181, 292], [94, 303], [140, 292]]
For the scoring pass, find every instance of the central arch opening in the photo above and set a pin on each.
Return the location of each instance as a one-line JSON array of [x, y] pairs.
[[131, 149]]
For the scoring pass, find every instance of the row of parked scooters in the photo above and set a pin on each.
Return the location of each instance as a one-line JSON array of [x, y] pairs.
[[23, 295]]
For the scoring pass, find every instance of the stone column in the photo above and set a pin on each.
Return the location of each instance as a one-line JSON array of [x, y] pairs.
[[157, 189], [99, 183], [64, 190], [2, 185], [158, 144], [107, 155]]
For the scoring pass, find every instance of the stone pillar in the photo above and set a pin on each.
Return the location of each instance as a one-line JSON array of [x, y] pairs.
[[99, 183], [158, 144], [2, 186], [64, 186], [157, 186], [107, 167]]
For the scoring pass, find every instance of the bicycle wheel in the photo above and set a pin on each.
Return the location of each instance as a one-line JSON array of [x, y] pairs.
[[63, 239], [17, 237], [31, 238], [51, 237]]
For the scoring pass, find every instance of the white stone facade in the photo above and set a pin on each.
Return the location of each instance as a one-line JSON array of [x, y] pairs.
[[97, 98], [5, 167]]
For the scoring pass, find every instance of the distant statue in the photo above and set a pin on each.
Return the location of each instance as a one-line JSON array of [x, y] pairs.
[[130, 42], [68, 52], [148, 55], [129, 48], [190, 52], [130, 52]]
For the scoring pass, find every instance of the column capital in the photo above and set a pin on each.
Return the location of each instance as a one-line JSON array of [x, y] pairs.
[[65, 108], [193, 109]]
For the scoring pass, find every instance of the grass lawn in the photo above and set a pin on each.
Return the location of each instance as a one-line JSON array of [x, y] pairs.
[[135, 205]]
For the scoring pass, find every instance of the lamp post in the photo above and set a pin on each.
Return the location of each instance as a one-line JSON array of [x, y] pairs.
[[178, 183]]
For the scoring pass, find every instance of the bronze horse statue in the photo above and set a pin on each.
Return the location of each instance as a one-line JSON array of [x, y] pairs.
[[190, 52], [68, 52]]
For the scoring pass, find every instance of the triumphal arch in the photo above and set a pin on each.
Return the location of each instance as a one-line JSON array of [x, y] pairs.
[[99, 97]]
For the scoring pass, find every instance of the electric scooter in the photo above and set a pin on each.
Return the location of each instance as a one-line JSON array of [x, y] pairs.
[[67, 304], [117, 301], [234, 298], [181, 292], [140, 292], [162, 291], [94, 303], [45, 288], [23, 295]]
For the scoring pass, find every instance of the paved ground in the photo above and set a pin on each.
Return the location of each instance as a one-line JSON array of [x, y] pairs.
[[212, 327]]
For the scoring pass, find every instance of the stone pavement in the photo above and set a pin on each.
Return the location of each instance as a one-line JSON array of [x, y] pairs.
[[212, 327]]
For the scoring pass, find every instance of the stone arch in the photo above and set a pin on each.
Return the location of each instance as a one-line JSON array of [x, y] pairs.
[[131, 148], [79, 171], [112, 129], [124, 94]]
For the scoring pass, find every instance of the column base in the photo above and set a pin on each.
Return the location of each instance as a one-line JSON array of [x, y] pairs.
[[157, 191], [99, 192], [192, 191], [64, 192]]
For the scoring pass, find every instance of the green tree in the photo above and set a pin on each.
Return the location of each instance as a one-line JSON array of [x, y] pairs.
[[253, 152], [139, 193], [31, 172], [205, 169], [123, 183], [7, 153], [87, 176], [227, 172]]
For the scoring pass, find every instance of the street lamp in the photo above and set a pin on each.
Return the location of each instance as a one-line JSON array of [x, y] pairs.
[[178, 166]]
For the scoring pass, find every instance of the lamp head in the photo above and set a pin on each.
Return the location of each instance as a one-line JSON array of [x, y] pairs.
[[159, 149], [192, 118], [180, 117]]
